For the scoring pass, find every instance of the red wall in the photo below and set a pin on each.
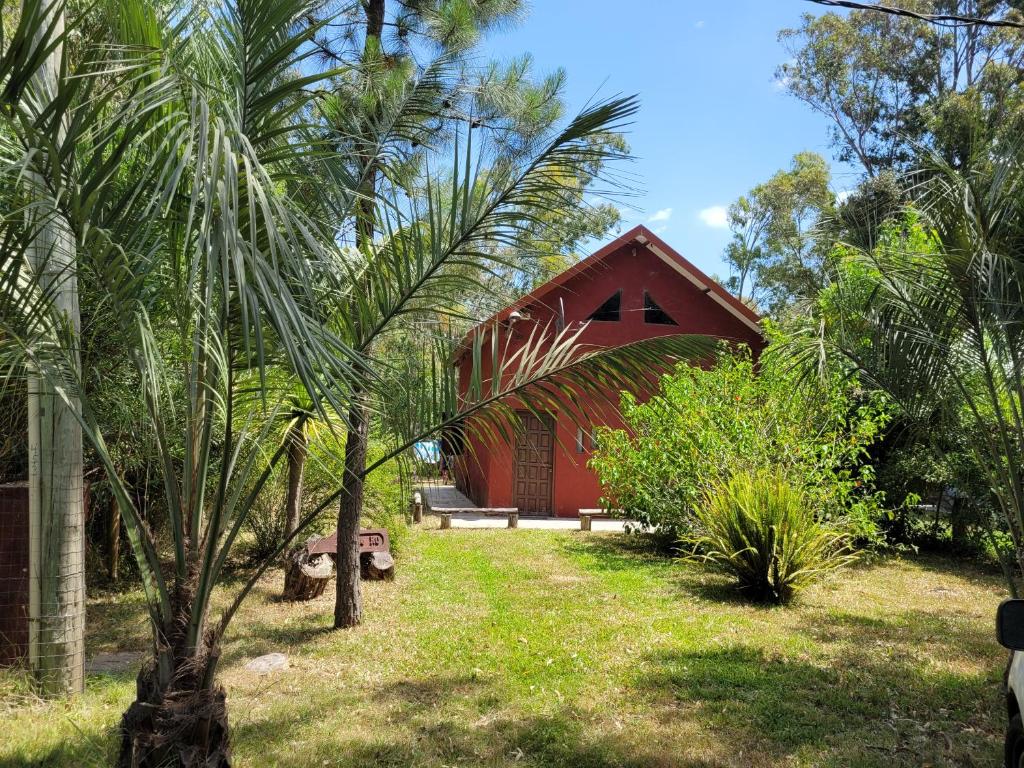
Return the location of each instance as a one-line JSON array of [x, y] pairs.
[[14, 584], [486, 474]]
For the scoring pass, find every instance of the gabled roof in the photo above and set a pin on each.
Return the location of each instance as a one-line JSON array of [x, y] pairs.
[[644, 237]]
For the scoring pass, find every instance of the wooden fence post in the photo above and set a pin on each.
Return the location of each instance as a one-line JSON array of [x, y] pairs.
[[513, 519], [446, 522], [585, 521]]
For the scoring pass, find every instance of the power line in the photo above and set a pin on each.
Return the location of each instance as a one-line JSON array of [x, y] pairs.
[[942, 19]]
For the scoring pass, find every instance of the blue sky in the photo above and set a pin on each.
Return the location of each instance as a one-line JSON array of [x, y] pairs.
[[713, 122]]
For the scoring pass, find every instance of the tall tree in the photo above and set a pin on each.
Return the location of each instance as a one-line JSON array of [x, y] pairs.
[[393, 118], [746, 253], [888, 82], [56, 486], [188, 193], [776, 252]]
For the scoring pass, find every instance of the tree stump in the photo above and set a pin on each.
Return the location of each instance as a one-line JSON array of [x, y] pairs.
[[513, 519], [377, 566], [446, 522], [585, 521], [306, 575]]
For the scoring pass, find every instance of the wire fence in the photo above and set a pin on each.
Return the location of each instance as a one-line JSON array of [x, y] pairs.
[[42, 587]]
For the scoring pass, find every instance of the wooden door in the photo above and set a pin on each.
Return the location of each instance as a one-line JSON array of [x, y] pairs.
[[533, 469]]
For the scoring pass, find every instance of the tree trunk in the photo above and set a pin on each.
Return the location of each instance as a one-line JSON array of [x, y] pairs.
[[958, 524], [306, 577], [348, 603], [114, 540], [297, 450], [56, 494], [377, 566], [183, 722]]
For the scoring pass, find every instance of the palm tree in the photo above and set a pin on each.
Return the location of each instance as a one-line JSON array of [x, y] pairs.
[[182, 177], [173, 174], [935, 314]]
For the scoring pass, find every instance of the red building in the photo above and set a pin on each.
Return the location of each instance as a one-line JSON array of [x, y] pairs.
[[636, 287]]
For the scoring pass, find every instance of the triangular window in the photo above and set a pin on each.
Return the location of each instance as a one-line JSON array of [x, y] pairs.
[[609, 311], [654, 314]]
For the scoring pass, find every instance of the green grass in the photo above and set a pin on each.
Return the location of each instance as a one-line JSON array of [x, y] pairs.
[[537, 648]]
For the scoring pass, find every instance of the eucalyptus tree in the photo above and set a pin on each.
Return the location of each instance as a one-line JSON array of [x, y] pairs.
[[934, 314], [887, 83], [777, 249]]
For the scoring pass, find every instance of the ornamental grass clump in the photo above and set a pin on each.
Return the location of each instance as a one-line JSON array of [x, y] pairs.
[[761, 529]]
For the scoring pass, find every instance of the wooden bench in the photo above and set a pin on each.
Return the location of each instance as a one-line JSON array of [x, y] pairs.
[[310, 565], [587, 517], [445, 513], [486, 511]]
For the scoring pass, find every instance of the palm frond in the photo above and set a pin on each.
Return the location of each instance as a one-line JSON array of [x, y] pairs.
[[437, 245], [551, 371], [943, 321]]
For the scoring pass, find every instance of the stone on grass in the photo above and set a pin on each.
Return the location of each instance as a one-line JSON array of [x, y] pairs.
[[271, 662]]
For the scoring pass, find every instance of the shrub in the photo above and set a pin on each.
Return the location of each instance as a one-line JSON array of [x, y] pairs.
[[385, 500], [386, 493], [761, 529], [265, 523], [706, 424]]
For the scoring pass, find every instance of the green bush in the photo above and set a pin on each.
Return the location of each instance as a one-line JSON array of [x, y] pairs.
[[762, 530], [707, 424], [265, 522], [386, 493], [385, 501]]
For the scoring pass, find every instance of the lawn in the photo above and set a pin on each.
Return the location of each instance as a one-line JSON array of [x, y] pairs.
[[542, 648]]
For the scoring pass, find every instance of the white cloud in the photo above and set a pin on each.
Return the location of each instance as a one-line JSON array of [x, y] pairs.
[[663, 215], [843, 195], [699, 24], [716, 217], [660, 230]]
